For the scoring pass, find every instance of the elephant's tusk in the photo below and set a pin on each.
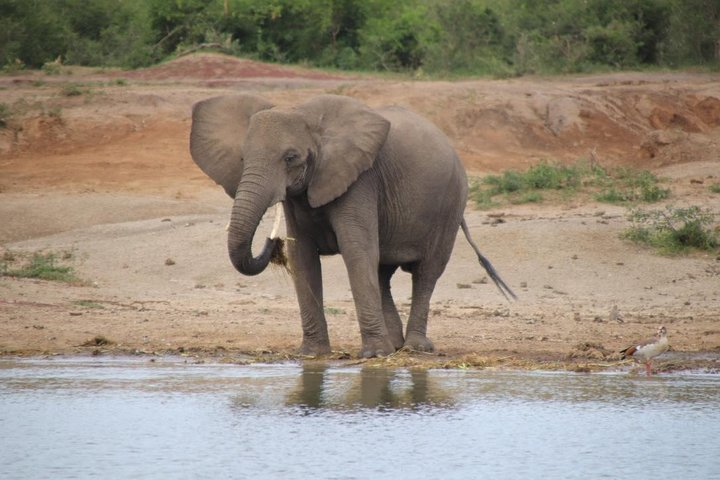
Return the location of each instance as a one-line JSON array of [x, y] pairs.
[[276, 224]]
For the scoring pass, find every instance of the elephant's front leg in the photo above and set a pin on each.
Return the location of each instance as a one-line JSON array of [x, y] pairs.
[[307, 276], [360, 250]]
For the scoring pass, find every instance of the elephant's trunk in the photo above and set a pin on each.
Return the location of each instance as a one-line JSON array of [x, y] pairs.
[[248, 210]]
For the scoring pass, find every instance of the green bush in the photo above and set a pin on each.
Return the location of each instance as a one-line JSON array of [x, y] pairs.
[[525, 187], [441, 37], [673, 230]]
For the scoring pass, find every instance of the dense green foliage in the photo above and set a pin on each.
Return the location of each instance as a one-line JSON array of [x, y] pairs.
[[500, 37]]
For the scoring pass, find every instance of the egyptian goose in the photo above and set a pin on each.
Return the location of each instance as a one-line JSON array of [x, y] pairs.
[[645, 351]]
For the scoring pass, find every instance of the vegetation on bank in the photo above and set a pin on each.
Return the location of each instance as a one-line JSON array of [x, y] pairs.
[[437, 37], [674, 230], [619, 185]]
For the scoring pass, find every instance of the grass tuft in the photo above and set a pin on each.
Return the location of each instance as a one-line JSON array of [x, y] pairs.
[[42, 266]]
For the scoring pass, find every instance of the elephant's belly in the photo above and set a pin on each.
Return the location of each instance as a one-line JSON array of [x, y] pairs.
[[327, 244], [399, 254]]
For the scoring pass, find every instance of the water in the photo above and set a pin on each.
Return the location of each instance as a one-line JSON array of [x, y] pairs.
[[120, 418]]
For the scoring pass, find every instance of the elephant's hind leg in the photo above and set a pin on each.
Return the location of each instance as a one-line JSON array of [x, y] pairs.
[[392, 317], [424, 279]]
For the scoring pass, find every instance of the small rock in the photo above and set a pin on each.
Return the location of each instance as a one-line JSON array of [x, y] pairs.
[[169, 261]]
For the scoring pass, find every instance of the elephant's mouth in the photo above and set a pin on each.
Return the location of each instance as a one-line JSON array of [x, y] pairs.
[[299, 183]]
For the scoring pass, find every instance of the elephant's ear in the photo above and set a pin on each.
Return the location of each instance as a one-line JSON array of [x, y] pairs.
[[218, 130], [351, 134]]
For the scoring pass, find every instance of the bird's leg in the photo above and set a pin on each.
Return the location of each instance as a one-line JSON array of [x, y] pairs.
[[648, 368]]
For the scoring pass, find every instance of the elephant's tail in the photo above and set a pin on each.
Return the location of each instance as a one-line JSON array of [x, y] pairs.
[[504, 289]]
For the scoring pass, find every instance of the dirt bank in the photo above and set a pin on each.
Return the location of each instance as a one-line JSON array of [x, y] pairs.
[[95, 166]]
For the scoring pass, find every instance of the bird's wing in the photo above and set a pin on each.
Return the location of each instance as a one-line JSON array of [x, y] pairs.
[[629, 351]]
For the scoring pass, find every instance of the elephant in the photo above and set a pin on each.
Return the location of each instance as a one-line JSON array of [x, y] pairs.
[[381, 187]]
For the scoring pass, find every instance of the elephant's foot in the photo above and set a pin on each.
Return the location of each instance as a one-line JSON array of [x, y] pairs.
[[419, 342], [377, 347], [396, 336], [314, 348]]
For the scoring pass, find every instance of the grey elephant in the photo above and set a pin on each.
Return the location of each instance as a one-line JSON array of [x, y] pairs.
[[382, 187]]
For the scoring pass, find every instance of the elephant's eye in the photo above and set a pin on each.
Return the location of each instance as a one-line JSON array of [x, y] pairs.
[[291, 158]]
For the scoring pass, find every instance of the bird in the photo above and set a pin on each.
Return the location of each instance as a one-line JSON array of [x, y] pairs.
[[645, 351]]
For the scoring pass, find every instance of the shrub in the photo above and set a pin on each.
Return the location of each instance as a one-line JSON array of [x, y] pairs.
[[525, 187], [673, 230], [547, 176]]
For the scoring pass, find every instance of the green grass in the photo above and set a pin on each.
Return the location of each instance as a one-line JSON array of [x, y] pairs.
[[88, 304], [715, 188], [627, 185], [621, 185], [42, 266], [673, 230]]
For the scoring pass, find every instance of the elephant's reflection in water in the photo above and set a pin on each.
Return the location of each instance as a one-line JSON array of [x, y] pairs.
[[321, 387]]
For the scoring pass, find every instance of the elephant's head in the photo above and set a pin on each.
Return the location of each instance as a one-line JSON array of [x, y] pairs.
[[261, 155]]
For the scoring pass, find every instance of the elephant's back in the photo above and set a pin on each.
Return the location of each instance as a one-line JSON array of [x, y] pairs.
[[423, 183], [419, 153], [416, 137]]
